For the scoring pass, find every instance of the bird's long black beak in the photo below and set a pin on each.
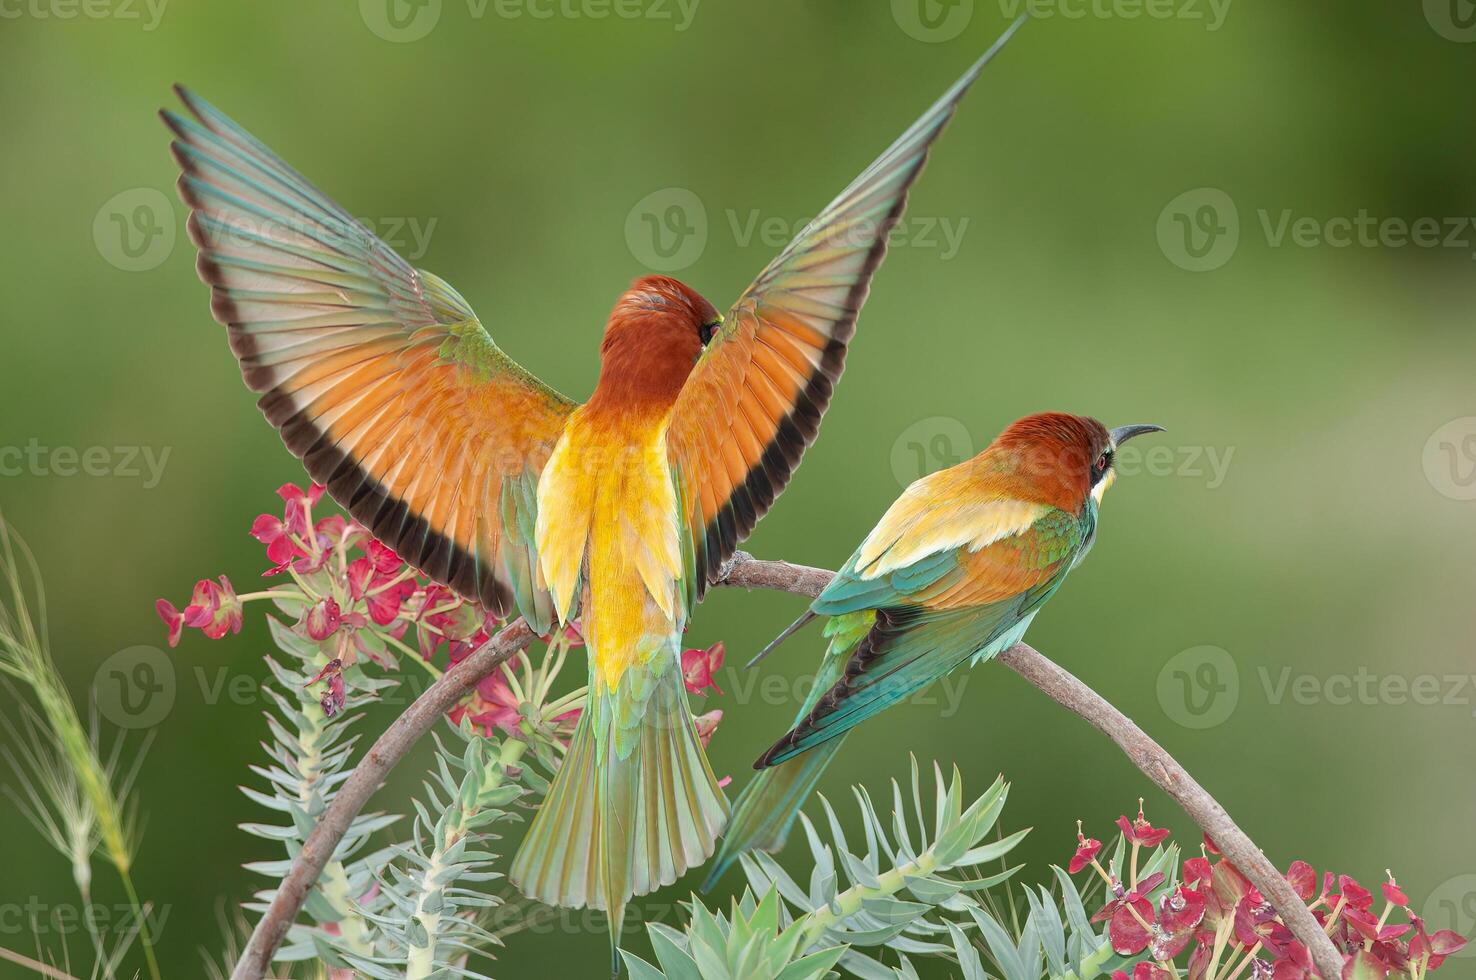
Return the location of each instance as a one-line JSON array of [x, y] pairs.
[[1123, 433]]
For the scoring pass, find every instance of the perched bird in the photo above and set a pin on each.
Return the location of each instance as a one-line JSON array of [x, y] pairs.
[[952, 575], [618, 511]]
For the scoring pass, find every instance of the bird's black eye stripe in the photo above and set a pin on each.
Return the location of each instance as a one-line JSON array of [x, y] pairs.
[[1102, 465], [707, 330]]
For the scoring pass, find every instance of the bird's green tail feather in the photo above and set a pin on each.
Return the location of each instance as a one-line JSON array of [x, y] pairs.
[[633, 806], [768, 806]]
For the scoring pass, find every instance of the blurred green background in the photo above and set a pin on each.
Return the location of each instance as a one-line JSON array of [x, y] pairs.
[[1145, 226]]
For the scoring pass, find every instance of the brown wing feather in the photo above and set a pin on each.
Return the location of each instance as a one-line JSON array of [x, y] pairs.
[[754, 401], [378, 375]]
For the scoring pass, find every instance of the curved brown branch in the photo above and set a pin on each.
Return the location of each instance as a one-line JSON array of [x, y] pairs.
[[745, 571], [362, 783], [1066, 690]]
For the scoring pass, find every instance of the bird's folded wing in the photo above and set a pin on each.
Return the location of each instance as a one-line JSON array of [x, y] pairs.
[[932, 616], [753, 403], [378, 375]]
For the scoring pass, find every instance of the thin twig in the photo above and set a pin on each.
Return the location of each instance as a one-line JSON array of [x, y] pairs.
[[745, 571], [35, 966]]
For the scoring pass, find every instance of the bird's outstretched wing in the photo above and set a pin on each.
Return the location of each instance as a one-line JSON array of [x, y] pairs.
[[971, 593], [378, 375], [753, 403]]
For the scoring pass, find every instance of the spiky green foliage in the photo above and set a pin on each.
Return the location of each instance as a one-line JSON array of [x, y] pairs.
[[897, 895], [428, 899], [753, 943], [1056, 940], [310, 754], [919, 889]]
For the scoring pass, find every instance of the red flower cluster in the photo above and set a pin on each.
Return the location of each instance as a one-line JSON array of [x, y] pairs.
[[1227, 927], [356, 598], [214, 610]]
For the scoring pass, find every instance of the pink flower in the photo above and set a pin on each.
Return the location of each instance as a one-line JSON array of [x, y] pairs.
[[698, 667], [323, 619], [1141, 833], [1144, 971], [491, 704], [270, 531], [1127, 932], [1302, 879], [213, 609], [1437, 947], [1086, 850], [172, 619], [1179, 913], [1197, 872], [385, 561], [299, 505], [1294, 964], [1355, 894], [1254, 917], [382, 599], [1131, 916], [707, 725], [1393, 894]]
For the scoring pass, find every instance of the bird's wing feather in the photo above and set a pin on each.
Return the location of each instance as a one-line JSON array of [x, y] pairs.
[[934, 615], [753, 403], [378, 375]]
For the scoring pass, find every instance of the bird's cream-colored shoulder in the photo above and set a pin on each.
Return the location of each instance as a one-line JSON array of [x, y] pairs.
[[946, 510]]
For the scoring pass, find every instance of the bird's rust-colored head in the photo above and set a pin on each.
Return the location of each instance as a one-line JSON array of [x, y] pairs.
[[654, 336], [1060, 459]]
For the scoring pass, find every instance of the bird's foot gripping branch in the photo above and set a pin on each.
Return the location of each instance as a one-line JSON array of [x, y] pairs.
[[357, 896]]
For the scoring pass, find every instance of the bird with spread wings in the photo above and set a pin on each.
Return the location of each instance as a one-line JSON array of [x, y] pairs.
[[619, 511]]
